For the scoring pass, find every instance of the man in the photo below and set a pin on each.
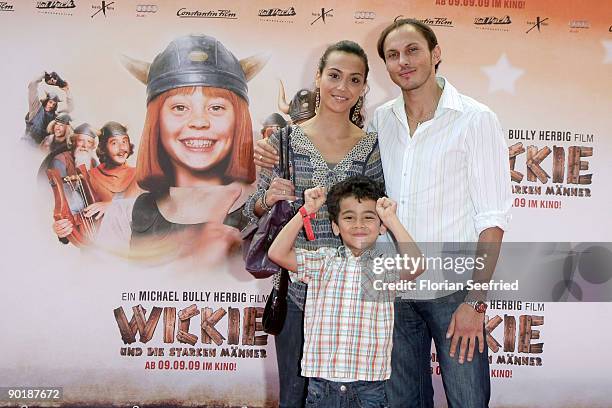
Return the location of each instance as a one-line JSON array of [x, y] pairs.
[[81, 149], [59, 132], [445, 162], [113, 178], [45, 105]]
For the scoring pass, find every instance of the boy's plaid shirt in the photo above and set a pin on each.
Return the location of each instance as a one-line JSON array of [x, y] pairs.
[[347, 334]]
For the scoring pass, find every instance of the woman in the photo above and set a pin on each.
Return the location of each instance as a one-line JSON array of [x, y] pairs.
[[195, 156], [324, 150]]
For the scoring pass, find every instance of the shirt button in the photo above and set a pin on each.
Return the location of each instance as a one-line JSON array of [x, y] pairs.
[[343, 388]]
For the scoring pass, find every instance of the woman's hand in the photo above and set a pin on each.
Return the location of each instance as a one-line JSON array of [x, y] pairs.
[[265, 154], [280, 189], [62, 228]]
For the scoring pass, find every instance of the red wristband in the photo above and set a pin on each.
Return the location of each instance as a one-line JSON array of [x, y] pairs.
[[307, 225]]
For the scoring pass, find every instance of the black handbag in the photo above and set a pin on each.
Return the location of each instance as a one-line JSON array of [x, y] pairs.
[[257, 241]]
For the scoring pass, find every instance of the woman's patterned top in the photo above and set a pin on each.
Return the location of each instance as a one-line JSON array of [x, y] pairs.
[[309, 169]]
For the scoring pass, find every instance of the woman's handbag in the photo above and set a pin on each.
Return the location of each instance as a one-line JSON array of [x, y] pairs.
[[257, 241], [257, 238]]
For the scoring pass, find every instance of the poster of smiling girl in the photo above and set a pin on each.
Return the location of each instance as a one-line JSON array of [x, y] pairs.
[[195, 155]]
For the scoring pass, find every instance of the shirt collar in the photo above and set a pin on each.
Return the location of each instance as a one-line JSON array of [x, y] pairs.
[[370, 253], [450, 99]]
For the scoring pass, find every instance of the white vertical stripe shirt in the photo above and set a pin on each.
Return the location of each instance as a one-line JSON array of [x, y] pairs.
[[451, 179]]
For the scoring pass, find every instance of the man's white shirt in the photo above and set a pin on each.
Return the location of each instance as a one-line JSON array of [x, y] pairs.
[[451, 179]]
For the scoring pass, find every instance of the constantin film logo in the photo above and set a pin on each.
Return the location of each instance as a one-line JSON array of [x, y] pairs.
[[322, 15], [538, 24], [437, 21], [575, 26], [145, 10], [277, 15], [493, 23], [362, 17], [102, 8], [219, 13], [59, 7], [5, 6]]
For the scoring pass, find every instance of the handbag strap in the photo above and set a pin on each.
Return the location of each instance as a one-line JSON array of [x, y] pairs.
[[285, 161], [285, 167]]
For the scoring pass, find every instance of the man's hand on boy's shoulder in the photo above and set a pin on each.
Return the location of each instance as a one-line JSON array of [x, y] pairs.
[[386, 209], [314, 198]]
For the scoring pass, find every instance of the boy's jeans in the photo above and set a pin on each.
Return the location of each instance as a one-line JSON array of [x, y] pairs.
[[358, 394]]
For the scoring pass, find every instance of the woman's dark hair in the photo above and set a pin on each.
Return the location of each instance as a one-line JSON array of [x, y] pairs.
[[421, 27], [109, 130], [349, 47], [360, 187]]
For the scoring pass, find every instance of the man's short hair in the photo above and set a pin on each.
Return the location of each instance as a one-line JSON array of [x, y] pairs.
[[421, 27], [360, 187]]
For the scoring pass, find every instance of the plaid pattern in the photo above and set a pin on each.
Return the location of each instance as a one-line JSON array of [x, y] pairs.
[[345, 336]]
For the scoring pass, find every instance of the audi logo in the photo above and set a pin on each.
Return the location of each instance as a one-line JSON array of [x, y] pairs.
[[146, 8], [365, 15]]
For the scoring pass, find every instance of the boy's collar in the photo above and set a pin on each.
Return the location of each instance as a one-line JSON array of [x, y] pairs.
[[370, 253]]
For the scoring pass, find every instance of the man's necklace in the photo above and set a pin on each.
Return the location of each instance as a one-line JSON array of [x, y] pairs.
[[429, 114], [424, 118]]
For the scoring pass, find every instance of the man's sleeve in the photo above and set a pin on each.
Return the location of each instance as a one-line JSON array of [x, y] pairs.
[[34, 96], [488, 172], [67, 105], [310, 263], [59, 165]]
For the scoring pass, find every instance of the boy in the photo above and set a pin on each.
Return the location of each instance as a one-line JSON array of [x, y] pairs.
[[348, 339]]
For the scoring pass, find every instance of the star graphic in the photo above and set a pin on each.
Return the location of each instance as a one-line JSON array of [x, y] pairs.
[[502, 75], [608, 46]]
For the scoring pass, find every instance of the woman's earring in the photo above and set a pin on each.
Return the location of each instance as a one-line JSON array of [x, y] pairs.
[[317, 99], [357, 110]]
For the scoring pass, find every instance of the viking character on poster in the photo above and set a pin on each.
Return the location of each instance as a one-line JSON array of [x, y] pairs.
[[59, 132], [45, 105], [195, 158], [68, 172], [273, 123], [112, 179], [302, 105]]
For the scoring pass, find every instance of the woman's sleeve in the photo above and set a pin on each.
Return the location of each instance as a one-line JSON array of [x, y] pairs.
[[373, 166], [263, 183]]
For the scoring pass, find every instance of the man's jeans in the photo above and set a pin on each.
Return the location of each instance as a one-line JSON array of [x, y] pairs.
[[358, 394], [466, 385], [289, 344]]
